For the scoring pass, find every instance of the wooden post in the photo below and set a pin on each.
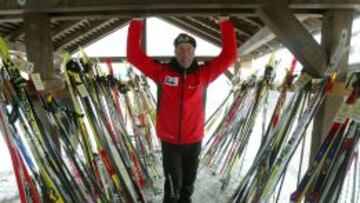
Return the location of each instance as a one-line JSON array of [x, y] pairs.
[[334, 22], [38, 42], [39, 50]]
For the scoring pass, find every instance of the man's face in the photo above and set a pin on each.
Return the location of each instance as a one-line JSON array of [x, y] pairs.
[[184, 54]]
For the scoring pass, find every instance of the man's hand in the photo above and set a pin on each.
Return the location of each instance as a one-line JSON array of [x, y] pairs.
[[223, 18]]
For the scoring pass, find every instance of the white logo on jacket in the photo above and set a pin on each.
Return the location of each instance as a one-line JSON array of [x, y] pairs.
[[172, 81]]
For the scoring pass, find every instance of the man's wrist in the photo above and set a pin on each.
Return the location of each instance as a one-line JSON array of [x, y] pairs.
[[138, 19]]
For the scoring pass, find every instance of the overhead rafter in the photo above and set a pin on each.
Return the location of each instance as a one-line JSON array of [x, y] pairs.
[[66, 26], [212, 38], [251, 21], [87, 27], [241, 33], [14, 34], [98, 34], [246, 26], [204, 23], [211, 23]]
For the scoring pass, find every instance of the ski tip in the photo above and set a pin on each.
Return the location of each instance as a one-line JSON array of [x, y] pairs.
[[4, 49], [84, 58]]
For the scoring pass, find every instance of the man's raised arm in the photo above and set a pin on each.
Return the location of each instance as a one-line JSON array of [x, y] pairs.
[[227, 55], [135, 54]]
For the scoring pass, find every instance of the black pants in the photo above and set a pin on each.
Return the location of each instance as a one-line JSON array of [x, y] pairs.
[[180, 164]]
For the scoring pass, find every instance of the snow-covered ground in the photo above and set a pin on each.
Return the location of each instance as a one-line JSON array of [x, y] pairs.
[[8, 188]]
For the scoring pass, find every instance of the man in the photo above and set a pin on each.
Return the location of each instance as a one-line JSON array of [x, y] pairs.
[[181, 85]]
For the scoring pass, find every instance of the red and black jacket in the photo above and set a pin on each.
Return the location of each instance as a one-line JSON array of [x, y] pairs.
[[181, 109]]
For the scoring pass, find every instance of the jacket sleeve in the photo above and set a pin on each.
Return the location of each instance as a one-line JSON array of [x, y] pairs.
[[227, 56], [135, 54]]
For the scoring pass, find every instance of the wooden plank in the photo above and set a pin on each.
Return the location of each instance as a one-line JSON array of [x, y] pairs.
[[295, 37]]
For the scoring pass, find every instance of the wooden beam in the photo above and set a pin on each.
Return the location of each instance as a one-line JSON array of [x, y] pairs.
[[10, 18], [334, 22], [158, 12], [56, 6], [295, 37], [39, 46], [261, 38]]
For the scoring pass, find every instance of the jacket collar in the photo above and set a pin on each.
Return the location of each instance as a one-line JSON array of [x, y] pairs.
[[174, 65]]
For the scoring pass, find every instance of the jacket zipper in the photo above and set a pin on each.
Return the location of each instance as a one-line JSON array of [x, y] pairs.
[[181, 105]]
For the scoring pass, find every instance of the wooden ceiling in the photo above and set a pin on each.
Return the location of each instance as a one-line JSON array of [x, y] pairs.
[[77, 23], [69, 34]]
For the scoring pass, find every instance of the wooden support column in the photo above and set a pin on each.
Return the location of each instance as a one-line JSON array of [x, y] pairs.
[[334, 22], [39, 50], [295, 37], [38, 43]]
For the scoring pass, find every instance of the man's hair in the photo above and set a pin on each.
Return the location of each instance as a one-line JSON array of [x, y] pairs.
[[184, 38]]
